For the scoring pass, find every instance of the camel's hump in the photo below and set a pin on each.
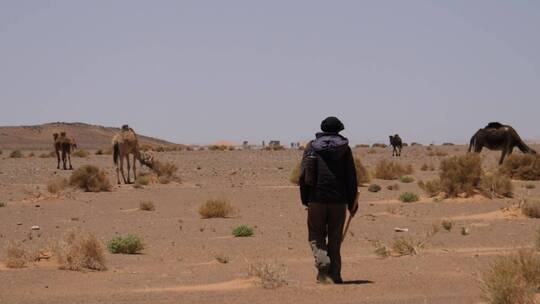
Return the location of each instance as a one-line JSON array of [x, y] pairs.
[[495, 125]]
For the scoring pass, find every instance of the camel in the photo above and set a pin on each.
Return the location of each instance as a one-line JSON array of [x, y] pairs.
[[63, 145], [498, 137], [124, 144], [397, 145]]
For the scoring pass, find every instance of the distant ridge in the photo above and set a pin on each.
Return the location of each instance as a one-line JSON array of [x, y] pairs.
[[87, 136]]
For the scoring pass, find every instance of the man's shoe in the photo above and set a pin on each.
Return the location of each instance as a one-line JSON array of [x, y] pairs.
[[336, 280]]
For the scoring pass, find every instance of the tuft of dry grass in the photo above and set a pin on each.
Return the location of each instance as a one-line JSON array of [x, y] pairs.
[[496, 184], [511, 279], [78, 251], [216, 208], [522, 166], [16, 154], [408, 197], [16, 255], [166, 171], [531, 207], [382, 250], [57, 185], [407, 246], [447, 225], [389, 170], [270, 275], [80, 153], [295, 173], [90, 178], [362, 174], [146, 206]]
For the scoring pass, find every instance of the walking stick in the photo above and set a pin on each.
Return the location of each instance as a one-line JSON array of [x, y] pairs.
[[349, 221]]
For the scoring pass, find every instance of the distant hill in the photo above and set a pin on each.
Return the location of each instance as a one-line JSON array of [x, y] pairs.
[[39, 137]]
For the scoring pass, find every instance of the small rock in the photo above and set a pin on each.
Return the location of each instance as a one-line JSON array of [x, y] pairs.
[[401, 229], [19, 224], [37, 206], [35, 227]]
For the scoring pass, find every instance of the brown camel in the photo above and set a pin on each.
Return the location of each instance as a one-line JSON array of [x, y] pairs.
[[63, 145], [499, 137], [397, 145], [124, 144]]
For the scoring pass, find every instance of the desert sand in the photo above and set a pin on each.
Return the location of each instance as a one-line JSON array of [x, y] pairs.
[[178, 263]]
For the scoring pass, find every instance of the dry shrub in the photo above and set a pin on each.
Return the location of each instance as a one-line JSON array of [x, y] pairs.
[[270, 275], [166, 171], [432, 187], [522, 166], [80, 153], [424, 167], [48, 155], [437, 153], [17, 256], [362, 174], [57, 185], [147, 206], [31, 154], [458, 175], [379, 145], [389, 170], [530, 186], [496, 184], [361, 146], [218, 148], [447, 225], [511, 279], [371, 151], [407, 246], [215, 208], [90, 178], [382, 250], [531, 207], [374, 188], [295, 173], [16, 154], [78, 251]]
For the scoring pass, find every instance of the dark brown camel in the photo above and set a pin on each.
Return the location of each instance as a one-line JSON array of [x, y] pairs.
[[397, 145], [498, 137], [63, 146]]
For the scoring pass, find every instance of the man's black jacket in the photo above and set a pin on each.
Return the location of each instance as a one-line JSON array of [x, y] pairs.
[[336, 173]]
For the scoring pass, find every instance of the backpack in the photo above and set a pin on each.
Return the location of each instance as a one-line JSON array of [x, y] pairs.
[[309, 165]]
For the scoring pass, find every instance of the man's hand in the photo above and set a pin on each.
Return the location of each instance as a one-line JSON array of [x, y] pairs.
[[354, 208]]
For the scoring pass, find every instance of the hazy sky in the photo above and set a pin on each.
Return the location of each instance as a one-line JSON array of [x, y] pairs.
[[201, 71]]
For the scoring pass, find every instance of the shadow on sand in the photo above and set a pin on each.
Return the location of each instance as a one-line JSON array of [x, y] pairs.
[[357, 282]]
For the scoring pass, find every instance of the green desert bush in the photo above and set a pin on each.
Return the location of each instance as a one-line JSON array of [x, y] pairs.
[[522, 166], [496, 184], [531, 207], [78, 251], [388, 170], [90, 178], [16, 154], [406, 179], [408, 197], [458, 175], [216, 208], [127, 244], [374, 188], [80, 153], [147, 206], [512, 279], [242, 231], [269, 275]]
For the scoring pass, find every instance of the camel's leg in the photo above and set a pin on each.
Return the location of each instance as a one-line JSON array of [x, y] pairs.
[[117, 174], [134, 168], [129, 168], [69, 160], [503, 155], [399, 151], [58, 159], [122, 169], [64, 159]]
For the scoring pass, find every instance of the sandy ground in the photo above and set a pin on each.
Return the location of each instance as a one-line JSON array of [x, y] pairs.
[[178, 264]]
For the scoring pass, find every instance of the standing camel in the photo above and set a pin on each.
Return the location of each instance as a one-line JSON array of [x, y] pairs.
[[124, 144], [397, 145], [64, 146], [498, 137]]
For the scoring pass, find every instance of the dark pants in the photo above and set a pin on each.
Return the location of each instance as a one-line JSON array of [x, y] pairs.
[[327, 220]]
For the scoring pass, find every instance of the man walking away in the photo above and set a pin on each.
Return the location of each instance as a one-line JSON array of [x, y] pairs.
[[328, 188]]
